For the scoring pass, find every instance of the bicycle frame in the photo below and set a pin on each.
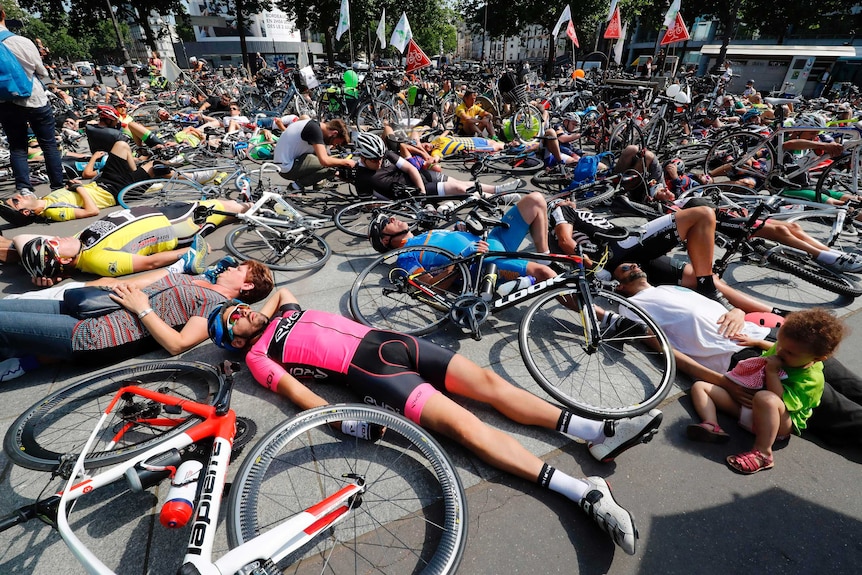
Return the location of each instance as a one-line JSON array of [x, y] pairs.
[[219, 424]]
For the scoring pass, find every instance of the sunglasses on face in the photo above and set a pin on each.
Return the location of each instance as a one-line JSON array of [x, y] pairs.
[[233, 317], [625, 268], [234, 108]]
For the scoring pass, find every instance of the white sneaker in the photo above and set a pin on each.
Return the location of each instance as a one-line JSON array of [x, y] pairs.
[[622, 434], [846, 263], [510, 186], [10, 369], [611, 517]]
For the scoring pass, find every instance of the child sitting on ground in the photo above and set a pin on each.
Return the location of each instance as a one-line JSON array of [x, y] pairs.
[[783, 405]]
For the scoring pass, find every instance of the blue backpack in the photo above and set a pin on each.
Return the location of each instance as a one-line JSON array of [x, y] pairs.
[[14, 82]]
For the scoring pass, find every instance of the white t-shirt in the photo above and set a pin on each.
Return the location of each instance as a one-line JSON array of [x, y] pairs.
[[690, 322], [296, 140]]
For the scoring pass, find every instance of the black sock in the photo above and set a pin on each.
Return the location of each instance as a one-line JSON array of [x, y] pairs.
[[779, 311], [705, 285], [544, 479], [563, 421]]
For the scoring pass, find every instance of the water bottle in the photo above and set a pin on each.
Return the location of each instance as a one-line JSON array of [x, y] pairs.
[[489, 280], [152, 471], [243, 184], [515, 285], [179, 507]]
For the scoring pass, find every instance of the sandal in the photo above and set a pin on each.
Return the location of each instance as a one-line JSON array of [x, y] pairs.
[[750, 462], [707, 432]]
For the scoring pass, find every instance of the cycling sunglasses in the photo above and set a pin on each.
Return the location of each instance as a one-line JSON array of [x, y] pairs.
[[234, 316]]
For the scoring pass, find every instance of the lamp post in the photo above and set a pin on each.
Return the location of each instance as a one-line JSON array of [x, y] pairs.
[[130, 70]]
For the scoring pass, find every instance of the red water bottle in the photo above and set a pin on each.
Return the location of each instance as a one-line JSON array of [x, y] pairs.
[[179, 507]]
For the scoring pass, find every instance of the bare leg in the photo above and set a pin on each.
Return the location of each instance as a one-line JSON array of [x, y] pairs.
[[770, 420], [696, 226]]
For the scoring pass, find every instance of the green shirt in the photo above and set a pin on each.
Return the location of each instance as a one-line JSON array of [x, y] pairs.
[[803, 388]]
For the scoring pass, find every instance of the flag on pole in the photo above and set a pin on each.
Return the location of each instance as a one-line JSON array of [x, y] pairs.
[[416, 58], [343, 20], [613, 31], [402, 34], [612, 10], [670, 15], [566, 15], [676, 33], [570, 32], [618, 48], [170, 71], [381, 29]]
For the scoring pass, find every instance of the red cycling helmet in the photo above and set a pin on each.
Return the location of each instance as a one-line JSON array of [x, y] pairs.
[[108, 112]]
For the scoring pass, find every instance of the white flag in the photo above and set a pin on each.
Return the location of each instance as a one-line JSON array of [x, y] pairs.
[[343, 20], [402, 34], [611, 11], [170, 70], [618, 48], [670, 16], [564, 17], [381, 29]]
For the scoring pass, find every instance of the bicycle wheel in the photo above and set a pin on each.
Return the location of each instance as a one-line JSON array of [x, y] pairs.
[[656, 135], [354, 220], [839, 177], [628, 374], [822, 227], [412, 517], [515, 165], [527, 123], [382, 298], [553, 180], [803, 267], [280, 246], [374, 115], [741, 155], [626, 134], [158, 192], [323, 203], [58, 426], [447, 111]]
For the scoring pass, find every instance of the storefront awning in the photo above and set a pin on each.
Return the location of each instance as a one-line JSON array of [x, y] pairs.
[[766, 51]]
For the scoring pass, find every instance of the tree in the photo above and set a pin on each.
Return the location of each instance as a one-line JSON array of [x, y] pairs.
[[794, 15]]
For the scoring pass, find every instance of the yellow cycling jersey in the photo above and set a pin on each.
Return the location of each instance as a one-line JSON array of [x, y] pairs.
[[108, 246], [62, 203], [450, 145]]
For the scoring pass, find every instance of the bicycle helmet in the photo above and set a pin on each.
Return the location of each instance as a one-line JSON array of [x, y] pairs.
[[40, 260], [572, 117], [370, 146], [108, 112], [809, 119], [750, 115], [215, 325], [679, 163], [375, 232]]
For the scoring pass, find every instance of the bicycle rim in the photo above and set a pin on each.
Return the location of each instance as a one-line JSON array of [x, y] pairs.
[[623, 377], [321, 203], [381, 298], [838, 177], [159, 192], [803, 268], [59, 425], [281, 248], [515, 165], [354, 220], [412, 517]]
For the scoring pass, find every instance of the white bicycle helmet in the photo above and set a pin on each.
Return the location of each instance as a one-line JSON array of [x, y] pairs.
[[370, 146], [809, 119]]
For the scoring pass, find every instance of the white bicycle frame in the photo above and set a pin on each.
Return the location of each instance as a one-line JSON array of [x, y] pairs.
[[275, 544]]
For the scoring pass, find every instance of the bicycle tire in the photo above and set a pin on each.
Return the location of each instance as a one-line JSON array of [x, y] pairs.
[[804, 268], [159, 192], [323, 203], [838, 177], [552, 181], [735, 148], [590, 196], [656, 136], [527, 123], [447, 111], [515, 165], [621, 378], [820, 226], [624, 135], [354, 220], [284, 249], [379, 298], [374, 115], [412, 517], [276, 98], [58, 426]]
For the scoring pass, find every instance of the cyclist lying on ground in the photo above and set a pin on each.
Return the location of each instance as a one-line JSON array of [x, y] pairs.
[[124, 242], [704, 348], [379, 171], [159, 308], [415, 378]]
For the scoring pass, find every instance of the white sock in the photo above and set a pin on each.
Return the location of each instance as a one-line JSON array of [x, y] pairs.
[[828, 257], [568, 486], [586, 429]]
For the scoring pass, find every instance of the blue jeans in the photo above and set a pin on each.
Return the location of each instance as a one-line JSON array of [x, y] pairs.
[[15, 120], [35, 327]]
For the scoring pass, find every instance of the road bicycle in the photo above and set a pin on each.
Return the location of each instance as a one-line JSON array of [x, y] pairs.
[[570, 338], [363, 109], [274, 233], [307, 496]]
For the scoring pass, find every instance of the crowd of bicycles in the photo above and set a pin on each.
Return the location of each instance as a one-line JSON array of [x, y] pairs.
[[627, 151]]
